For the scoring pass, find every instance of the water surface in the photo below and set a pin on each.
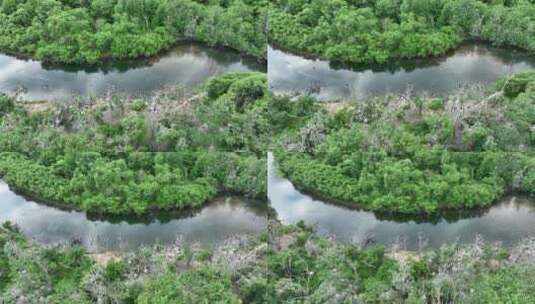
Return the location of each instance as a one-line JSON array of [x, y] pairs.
[[186, 65], [508, 221], [223, 218], [473, 63]]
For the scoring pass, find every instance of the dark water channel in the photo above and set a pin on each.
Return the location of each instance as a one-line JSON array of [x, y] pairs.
[[186, 65], [508, 221], [209, 226], [473, 63]]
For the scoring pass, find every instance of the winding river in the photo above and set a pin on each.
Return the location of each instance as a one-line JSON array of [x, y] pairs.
[[187, 65], [507, 222], [211, 225], [473, 63]]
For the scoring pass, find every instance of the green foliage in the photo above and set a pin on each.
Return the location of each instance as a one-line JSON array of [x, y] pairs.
[[303, 266], [115, 270], [138, 105], [507, 285], [218, 86], [115, 156], [67, 274], [518, 84], [107, 184], [419, 270], [436, 104], [6, 105], [296, 266], [367, 32], [247, 90], [204, 285], [92, 31], [418, 155], [36, 274]]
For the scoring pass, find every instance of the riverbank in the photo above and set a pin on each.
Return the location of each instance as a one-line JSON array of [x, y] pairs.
[[187, 65], [177, 273], [394, 30], [417, 154], [208, 225], [120, 155], [122, 30], [394, 215], [507, 221], [395, 64], [298, 263], [481, 65], [141, 61]]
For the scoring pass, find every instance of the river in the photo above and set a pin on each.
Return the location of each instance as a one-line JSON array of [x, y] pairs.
[[472, 63], [186, 65], [211, 225], [508, 221]]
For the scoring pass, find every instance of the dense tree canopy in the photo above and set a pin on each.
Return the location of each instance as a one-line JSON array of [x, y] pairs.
[[122, 155], [416, 154], [384, 30], [90, 31]]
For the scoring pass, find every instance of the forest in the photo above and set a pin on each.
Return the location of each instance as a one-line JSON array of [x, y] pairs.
[[144, 170], [417, 154], [122, 155], [88, 32], [287, 264], [377, 32]]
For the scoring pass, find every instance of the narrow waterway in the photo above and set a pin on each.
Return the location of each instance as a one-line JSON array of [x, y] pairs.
[[473, 63], [211, 225], [186, 65], [508, 221]]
